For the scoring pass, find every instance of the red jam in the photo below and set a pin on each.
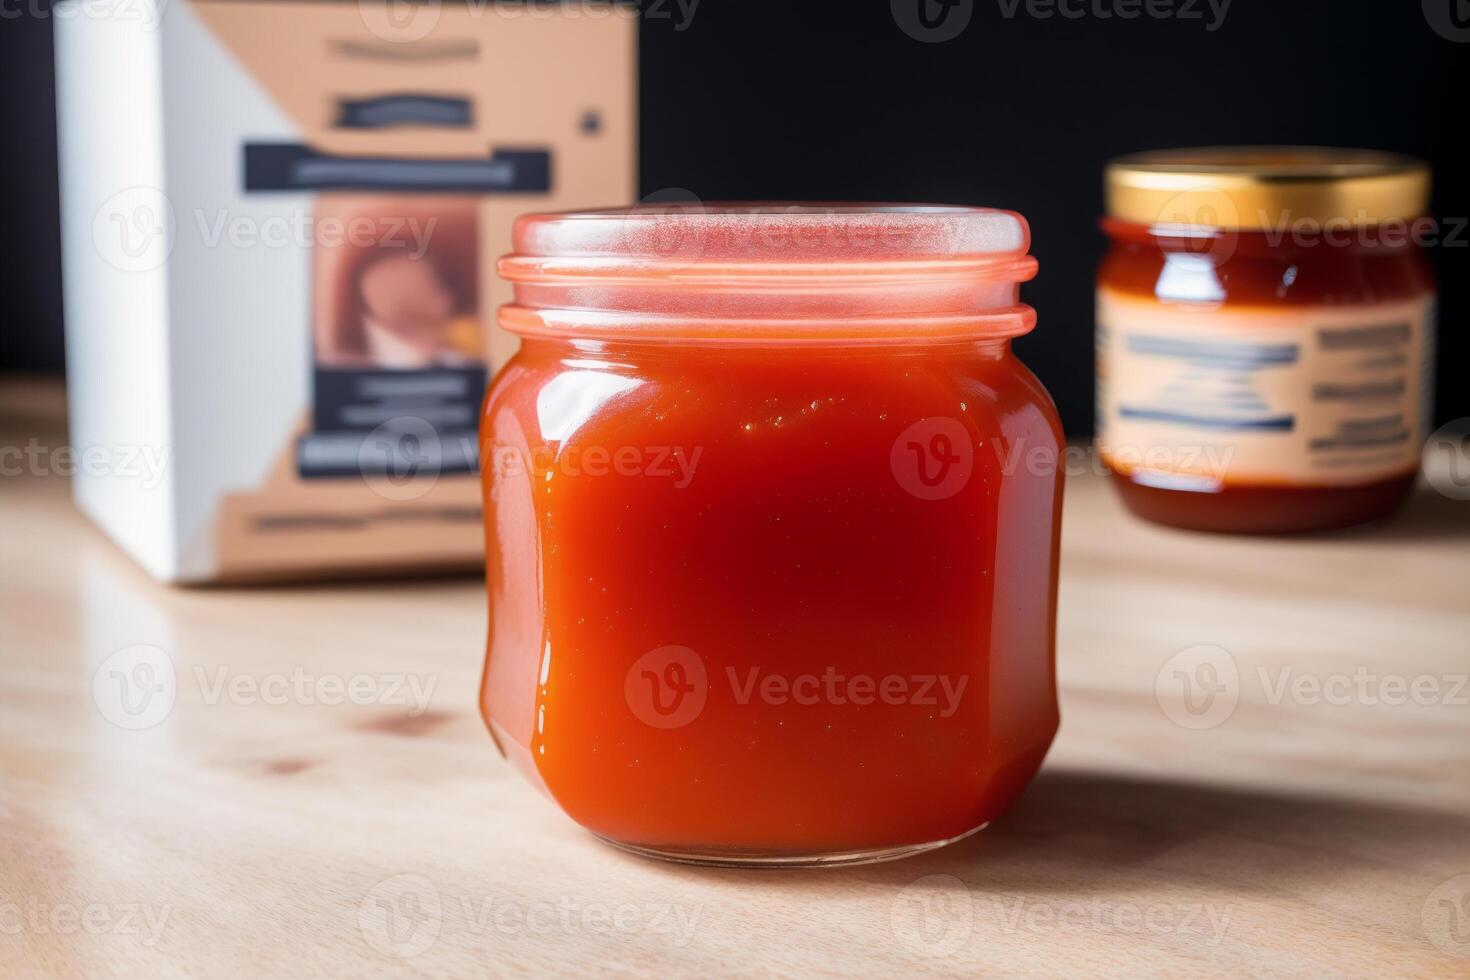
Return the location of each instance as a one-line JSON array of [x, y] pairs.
[[1265, 337], [772, 515]]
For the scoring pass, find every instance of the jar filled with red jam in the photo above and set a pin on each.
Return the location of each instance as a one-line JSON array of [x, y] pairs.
[[772, 514], [1265, 336]]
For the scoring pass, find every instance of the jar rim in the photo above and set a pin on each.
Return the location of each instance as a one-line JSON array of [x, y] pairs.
[[757, 238], [767, 271]]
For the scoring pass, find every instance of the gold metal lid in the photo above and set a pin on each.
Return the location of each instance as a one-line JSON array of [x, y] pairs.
[[1266, 187]]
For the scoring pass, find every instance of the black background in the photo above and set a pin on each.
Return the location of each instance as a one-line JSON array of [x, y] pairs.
[[834, 101]]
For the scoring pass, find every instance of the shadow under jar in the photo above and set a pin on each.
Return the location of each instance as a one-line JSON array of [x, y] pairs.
[[772, 517], [1265, 336]]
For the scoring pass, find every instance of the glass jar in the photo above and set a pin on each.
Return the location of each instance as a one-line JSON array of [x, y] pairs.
[[772, 515], [1265, 336]]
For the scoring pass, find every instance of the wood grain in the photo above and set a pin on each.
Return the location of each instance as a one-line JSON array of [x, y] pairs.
[[240, 836]]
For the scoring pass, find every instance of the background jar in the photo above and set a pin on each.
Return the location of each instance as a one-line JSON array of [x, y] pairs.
[[1265, 336]]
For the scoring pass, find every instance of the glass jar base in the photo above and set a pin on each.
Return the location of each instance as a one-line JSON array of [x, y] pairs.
[[716, 858], [1266, 510]]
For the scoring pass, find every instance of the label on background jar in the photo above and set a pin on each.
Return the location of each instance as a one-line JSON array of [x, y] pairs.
[[1306, 395]]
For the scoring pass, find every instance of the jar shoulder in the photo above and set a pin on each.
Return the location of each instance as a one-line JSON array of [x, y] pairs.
[[786, 395]]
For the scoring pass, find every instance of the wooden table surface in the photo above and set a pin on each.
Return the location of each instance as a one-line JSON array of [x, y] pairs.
[[1307, 812]]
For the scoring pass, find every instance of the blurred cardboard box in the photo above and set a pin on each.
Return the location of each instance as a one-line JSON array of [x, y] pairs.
[[280, 222]]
